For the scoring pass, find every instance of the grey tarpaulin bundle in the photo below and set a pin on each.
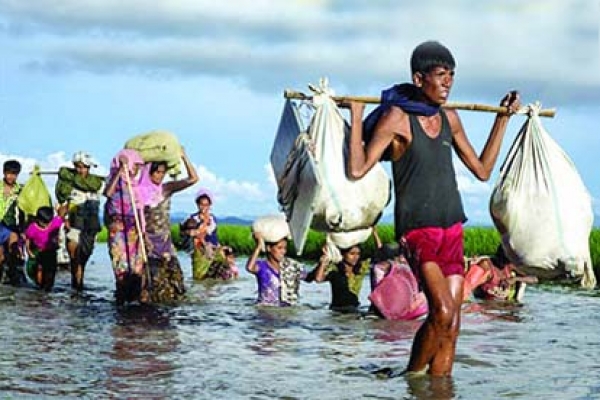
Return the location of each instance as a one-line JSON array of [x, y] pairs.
[[309, 162]]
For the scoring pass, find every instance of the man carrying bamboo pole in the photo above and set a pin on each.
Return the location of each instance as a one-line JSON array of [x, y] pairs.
[[418, 136], [79, 190]]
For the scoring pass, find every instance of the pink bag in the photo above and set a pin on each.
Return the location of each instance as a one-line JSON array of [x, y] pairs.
[[397, 296]]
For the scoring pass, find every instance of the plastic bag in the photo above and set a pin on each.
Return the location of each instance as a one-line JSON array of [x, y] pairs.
[[397, 297], [34, 194]]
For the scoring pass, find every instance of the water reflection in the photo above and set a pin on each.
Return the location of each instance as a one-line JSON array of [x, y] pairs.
[[141, 362], [434, 388], [265, 329], [495, 310]]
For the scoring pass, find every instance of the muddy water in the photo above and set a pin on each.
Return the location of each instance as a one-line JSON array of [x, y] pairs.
[[218, 345]]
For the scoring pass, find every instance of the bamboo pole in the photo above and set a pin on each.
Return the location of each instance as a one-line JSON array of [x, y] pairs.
[[54, 173], [136, 217], [138, 227], [292, 94]]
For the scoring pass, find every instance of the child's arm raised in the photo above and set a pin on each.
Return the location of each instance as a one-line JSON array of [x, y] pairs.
[[251, 265]]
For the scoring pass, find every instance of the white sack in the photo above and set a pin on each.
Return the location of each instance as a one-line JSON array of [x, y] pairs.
[[542, 208], [344, 240], [272, 228], [342, 205], [310, 166]]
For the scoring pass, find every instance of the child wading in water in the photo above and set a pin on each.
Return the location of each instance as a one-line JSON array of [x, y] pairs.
[[278, 277], [42, 244], [346, 276]]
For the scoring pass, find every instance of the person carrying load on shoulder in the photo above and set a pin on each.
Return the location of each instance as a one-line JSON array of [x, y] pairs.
[[417, 135], [345, 272], [167, 283], [495, 278], [124, 218], [79, 190], [41, 242], [12, 222], [278, 277]]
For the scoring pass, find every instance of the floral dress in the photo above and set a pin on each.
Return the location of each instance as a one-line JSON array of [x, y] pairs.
[[279, 288], [124, 244], [167, 277], [202, 244]]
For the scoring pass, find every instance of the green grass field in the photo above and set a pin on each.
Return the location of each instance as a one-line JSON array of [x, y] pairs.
[[478, 241]]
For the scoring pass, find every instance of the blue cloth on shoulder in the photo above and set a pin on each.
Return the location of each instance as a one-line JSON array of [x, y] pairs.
[[406, 96]]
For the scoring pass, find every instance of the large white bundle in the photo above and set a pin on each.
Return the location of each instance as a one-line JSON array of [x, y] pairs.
[[310, 166], [542, 208], [342, 205], [272, 228]]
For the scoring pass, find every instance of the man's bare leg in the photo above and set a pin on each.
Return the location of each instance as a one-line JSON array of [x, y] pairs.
[[437, 327], [443, 361]]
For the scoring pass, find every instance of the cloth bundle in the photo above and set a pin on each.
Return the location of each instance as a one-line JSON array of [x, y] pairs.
[[542, 208], [158, 145], [314, 189]]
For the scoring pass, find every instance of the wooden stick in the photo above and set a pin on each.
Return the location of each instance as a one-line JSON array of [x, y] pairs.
[[292, 94], [138, 226], [54, 173]]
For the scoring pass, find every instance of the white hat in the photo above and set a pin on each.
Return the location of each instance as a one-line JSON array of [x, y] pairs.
[[84, 158]]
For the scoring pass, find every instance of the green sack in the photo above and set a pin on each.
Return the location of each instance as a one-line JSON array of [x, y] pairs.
[[34, 194], [158, 146], [69, 179]]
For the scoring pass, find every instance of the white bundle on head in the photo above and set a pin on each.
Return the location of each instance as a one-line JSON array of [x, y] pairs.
[[272, 228], [344, 240]]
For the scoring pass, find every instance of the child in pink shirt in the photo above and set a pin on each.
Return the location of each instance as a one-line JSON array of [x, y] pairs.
[[41, 241]]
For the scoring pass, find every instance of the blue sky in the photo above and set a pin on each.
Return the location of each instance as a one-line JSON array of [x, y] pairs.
[[90, 74]]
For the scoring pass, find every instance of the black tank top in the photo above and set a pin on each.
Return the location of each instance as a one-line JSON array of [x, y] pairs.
[[425, 182]]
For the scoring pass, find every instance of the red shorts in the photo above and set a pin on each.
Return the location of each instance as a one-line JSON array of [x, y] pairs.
[[443, 246]]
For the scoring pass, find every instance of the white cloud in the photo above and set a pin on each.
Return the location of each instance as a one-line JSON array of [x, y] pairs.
[[271, 44], [467, 183], [270, 175], [231, 196]]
